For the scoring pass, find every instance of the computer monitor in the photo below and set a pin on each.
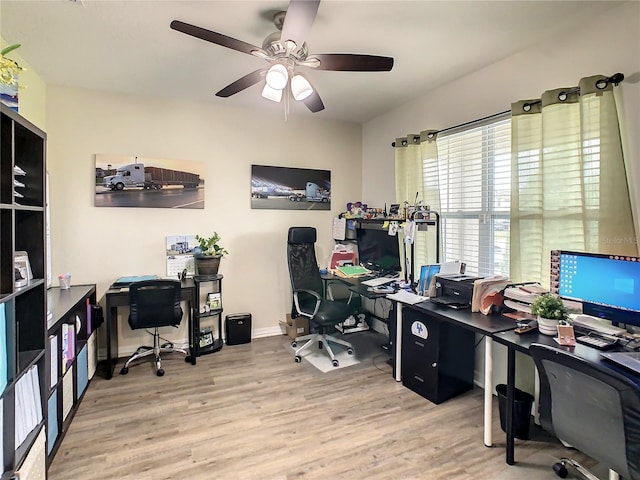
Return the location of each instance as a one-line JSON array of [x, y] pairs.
[[607, 285], [377, 250]]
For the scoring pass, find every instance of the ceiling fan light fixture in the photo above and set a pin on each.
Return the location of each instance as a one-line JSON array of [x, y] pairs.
[[277, 76], [271, 93], [300, 87]]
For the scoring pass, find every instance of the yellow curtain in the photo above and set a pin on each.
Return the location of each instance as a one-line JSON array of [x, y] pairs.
[[569, 188], [417, 184]]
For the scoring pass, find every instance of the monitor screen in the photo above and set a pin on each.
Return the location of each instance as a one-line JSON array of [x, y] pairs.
[[377, 250], [607, 285]]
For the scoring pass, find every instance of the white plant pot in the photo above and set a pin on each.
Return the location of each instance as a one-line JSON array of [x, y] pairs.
[[548, 326]]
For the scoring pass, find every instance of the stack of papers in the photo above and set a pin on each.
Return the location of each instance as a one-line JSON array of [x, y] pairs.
[[375, 282], [406, 297], [351, 271]]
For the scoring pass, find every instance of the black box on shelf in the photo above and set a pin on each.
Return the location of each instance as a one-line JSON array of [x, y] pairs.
[[238, 328]]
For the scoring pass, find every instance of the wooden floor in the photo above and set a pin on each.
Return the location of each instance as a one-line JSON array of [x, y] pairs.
[[250, 412]]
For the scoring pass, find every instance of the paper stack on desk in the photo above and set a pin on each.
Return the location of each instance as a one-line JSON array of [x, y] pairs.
[[406, 297], [351, 271]]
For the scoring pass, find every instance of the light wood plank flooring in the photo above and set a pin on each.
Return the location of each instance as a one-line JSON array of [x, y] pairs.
[[250, 412]]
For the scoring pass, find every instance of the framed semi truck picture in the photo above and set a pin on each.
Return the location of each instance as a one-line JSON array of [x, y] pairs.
[[290, 188], [129, 181]]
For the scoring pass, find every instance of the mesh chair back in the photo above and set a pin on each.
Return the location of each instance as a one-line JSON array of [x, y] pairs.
[[154, 303], [301, 255], [591, 407]]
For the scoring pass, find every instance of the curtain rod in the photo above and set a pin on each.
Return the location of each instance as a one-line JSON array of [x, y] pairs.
[[616, 78]]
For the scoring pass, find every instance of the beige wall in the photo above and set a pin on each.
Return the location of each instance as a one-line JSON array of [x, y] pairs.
[[97, 245], [609, 45]]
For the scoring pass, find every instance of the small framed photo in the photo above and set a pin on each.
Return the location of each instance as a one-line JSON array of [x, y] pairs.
[[206, 338], [22, 269], [214, 300]]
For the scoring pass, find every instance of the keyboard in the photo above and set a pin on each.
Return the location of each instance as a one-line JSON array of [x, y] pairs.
[[600, 342]]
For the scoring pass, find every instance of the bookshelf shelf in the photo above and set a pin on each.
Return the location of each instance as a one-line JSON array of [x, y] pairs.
[[209, 294], [23, 361]]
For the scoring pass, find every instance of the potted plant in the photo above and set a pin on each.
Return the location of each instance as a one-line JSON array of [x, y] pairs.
[[550, 311], [208, 253]]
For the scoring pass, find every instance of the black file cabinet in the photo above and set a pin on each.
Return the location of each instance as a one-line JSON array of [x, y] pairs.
[[437, 356]]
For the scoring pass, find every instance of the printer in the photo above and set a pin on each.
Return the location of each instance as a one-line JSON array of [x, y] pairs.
[[455, 291]]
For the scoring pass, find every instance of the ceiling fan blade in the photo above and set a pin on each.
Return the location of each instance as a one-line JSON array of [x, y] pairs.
[[353, 62], [242, 83], [213, 37], [314, 102], [298, 20]]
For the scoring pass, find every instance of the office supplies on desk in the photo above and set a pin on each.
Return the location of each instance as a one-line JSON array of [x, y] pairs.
[[601, 342], [629, 360]]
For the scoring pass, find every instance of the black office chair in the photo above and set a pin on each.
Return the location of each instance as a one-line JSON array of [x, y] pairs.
[[154, 304], [590, 407], [308, 295]]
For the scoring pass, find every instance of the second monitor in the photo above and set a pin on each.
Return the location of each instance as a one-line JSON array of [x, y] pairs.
[[377, 250]]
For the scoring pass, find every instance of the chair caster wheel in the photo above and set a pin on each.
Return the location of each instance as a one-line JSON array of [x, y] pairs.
[[294, 344], [124, 371], [560, 469], [350, 351], [335, 363], [187, 358], [298, 359], [160, 372]]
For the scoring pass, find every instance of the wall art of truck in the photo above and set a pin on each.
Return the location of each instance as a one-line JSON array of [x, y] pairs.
[[131, 181]]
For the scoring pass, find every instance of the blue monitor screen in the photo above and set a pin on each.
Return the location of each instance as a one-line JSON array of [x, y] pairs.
[[607, 285], [377, 250]]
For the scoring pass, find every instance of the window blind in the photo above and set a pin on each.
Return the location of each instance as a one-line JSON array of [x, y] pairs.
[[474, 177]]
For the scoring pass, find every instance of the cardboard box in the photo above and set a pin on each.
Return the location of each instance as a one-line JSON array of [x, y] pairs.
[[295, 327]]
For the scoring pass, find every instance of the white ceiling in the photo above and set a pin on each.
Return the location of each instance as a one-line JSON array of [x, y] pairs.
[[128, 47]]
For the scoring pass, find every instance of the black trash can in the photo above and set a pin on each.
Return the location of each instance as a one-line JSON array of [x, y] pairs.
[[521, 411]]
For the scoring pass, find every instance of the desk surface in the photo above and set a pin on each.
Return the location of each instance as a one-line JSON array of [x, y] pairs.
[[478, 322]]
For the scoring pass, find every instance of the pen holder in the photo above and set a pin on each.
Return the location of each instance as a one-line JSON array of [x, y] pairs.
[[65, 281]]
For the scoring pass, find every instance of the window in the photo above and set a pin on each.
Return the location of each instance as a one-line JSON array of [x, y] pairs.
[[474, 177]]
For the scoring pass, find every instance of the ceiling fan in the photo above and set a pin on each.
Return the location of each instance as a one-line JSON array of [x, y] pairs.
[[286, 50]]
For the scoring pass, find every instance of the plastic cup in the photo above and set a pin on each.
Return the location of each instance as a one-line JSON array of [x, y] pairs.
[[65, 282]]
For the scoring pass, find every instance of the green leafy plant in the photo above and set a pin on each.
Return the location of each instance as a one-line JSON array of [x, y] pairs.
[[549, 306], [9, 69], [210, 246]]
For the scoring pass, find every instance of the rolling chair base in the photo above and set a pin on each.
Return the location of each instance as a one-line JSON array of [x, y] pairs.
[[156, 350], [321, 339], [561, 470]]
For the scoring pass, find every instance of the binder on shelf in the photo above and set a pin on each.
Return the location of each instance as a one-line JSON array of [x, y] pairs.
[[3, 349], [52, 420], [53, 359]]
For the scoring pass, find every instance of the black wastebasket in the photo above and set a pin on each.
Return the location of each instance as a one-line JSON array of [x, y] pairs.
[[521, 411]]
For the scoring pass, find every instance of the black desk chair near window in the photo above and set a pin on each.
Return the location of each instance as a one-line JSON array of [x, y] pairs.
[[591, 407], [154, 304], [308, 299]]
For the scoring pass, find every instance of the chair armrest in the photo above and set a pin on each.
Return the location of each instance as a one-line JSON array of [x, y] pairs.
[[296, 302]]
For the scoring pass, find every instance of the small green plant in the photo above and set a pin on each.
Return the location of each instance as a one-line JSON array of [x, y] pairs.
[[209, 246], [549, 306]]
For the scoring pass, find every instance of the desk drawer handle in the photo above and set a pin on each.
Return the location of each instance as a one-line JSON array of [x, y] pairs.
[[418, 378], [420, 344]]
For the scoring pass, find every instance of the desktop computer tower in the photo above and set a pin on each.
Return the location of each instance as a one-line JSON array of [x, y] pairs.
[[238, 328]]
